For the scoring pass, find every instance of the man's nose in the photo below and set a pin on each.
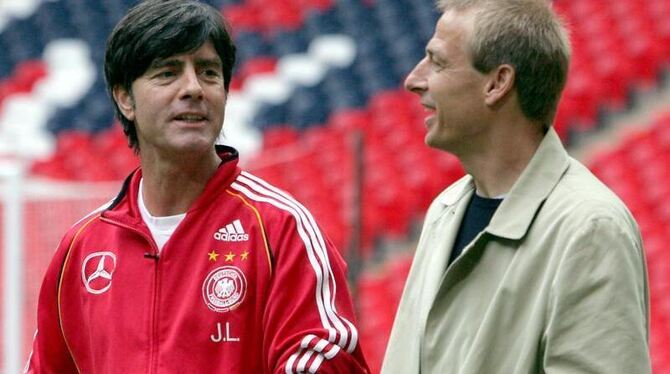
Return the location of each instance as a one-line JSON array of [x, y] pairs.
[[416, 80], [192, 87]]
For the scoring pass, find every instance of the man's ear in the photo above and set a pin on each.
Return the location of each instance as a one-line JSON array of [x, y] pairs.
[[124, 100], [501, 82]]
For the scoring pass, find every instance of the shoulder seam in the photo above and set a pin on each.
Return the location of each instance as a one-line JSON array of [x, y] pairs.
[[90, 214], [262, 224]]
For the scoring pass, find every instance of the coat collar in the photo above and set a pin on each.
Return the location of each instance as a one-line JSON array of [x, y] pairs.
[[515, 214], [125, 208]]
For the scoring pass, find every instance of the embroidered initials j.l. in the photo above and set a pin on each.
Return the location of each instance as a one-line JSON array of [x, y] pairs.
[[218, 336]]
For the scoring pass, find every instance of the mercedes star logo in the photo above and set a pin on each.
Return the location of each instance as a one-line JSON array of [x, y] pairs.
[[97, 270]]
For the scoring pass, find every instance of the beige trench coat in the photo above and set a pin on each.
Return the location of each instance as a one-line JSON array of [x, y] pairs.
[[556, 283]]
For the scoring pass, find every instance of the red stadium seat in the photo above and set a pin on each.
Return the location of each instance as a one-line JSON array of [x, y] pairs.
[[279, 136], [244, 17], [282, 15], [319, 5], [28, 73], [379, 291], [580, 99], [52, 168], [258, 65], [350, 120], [121, 160], [4, 92]]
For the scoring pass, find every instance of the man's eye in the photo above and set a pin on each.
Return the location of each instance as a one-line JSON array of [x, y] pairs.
[[212, 73], [164, 74], [436, 65]]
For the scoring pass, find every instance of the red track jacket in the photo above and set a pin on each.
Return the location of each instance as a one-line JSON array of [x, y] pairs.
[[246, 284]]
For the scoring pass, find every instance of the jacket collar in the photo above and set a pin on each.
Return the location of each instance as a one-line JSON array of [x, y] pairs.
[[125, 207], [460, 189], [515, 214]]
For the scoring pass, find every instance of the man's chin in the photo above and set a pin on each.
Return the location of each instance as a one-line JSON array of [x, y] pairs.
[[432, 142], [186, 147], [439, 144]]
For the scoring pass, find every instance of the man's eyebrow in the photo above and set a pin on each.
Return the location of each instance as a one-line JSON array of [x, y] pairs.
[[164, 62], [432, 51], [436, 54], [171, 62], [209, 62]]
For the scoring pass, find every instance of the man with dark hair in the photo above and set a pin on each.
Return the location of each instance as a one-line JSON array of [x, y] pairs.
[[149, 34], [196, 266], [528, 264]]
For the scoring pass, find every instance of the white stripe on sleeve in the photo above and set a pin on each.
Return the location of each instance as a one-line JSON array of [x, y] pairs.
[[259, 190], [305, 217]]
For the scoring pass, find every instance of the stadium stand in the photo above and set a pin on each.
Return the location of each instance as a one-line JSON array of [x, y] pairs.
[[311, 73]]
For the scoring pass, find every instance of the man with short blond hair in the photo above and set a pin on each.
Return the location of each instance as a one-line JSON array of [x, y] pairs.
[[528, 264]]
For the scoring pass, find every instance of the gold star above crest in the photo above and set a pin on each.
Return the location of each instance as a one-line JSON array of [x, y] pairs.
[[230, 256], [244, 255], [213, 255]]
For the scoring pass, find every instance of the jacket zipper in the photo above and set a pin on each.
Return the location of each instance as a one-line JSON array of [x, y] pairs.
[[153, 327], [153, 355]]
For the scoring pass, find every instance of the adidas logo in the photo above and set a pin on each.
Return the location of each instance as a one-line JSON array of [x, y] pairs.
[[232, 232]]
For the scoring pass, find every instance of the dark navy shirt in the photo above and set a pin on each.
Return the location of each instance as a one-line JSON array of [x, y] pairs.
[[477, 216]]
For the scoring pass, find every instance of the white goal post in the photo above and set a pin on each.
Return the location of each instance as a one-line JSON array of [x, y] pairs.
[[11, 198]]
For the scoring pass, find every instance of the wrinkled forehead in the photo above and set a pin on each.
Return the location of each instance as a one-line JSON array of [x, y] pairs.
[[453, 30]]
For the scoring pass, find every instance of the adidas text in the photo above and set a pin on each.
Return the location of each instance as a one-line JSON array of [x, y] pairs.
[[226, 237]]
